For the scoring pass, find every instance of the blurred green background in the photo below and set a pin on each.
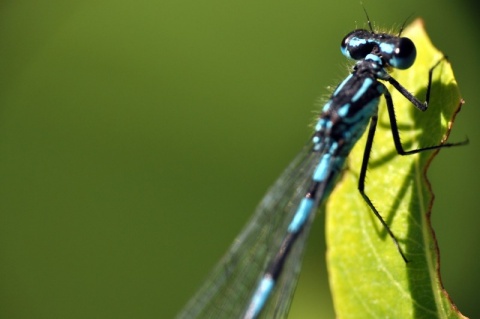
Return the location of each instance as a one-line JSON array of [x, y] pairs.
[[136, 138]]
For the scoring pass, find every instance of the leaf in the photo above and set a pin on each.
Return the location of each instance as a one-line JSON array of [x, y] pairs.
[[368, 277]]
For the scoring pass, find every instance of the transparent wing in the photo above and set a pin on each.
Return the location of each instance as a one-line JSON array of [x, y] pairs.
[[228, 289]]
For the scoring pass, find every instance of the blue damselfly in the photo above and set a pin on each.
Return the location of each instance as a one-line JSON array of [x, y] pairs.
[[259, 272]]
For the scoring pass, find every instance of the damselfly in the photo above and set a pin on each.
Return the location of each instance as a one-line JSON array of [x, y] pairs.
[[260, 270]]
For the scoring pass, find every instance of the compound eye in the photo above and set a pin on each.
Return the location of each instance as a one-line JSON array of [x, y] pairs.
[[404, 54], [344, 46], [356, 44]]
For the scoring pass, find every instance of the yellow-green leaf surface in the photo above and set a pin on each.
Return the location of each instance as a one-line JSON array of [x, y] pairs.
[[368, 277]]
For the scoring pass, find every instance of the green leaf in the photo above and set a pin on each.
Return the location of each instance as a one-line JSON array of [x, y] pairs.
[[368, 277]]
